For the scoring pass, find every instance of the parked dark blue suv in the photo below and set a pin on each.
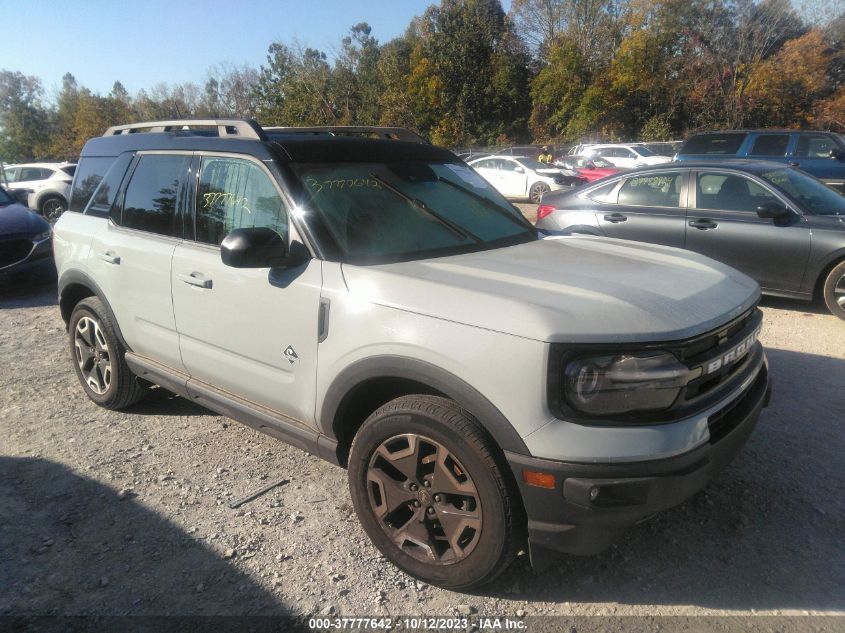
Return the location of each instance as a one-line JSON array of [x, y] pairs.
[[821, 154]]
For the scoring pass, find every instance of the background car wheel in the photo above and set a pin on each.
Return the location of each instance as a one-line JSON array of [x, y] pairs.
[[537, 191], [834, 290], [52, 207], [98, 357], [432, 494]]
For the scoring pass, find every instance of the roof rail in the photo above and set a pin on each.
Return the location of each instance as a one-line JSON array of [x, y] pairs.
[[390, 133], [237, 128]]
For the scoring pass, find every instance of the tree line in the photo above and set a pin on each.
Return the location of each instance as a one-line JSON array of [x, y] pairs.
[[466, 73]]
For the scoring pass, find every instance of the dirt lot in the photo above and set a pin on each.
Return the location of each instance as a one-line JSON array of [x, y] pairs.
[[127, 513]]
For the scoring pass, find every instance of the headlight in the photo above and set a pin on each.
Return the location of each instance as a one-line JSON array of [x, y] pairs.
[[624, 383], [42, 236]]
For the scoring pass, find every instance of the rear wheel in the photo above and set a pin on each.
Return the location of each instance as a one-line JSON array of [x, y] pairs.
[[834, 290], [52, 207], [538, 189], [431, 494], [99, 357]]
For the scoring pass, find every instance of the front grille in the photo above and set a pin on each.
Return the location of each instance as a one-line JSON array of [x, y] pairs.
[[726, 420], [12, 251]]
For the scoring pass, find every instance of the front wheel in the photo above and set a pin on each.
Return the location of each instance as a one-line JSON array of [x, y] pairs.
[[538, 189], [431, 494], [834, 290]]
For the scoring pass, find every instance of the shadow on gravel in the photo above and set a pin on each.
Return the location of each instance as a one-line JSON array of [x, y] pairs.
[[768, 533], [70, 546], [27, 293], [162, 402]]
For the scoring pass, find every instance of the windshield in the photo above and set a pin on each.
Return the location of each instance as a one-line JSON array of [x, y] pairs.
[[381, 212], [642, 150], [815, 196], [533, 163]]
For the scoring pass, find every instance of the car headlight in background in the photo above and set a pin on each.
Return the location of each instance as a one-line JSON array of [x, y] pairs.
[[623, 383], [42, 236]]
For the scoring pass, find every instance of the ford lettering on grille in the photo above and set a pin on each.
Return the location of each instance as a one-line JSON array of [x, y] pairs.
[[733, 354]]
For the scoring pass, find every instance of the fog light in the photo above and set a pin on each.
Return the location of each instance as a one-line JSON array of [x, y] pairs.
[[594, 493], [540, 480]]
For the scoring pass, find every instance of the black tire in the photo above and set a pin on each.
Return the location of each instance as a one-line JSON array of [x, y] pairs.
[[834, 290], [52, 207], [122, 389], [538, 189], [440, 421]]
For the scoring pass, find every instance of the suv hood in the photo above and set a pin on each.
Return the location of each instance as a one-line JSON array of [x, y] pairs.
[[574, 289]]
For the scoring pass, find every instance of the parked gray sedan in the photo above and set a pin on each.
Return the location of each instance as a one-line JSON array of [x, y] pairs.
[[781, 226]]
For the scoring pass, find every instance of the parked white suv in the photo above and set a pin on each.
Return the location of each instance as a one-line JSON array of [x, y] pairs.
[[377, 303], [47, 185]]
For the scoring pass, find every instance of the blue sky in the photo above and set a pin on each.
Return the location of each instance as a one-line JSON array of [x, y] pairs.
[[144, 42]]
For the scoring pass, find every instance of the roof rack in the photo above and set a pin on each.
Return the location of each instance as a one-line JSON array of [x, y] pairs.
[[237, 128], [389, 133]]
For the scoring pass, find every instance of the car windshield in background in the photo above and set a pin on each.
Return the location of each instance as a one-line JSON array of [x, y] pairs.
[[532, 163], [813, 194], [597, 161], [642, 150], [381, 212]]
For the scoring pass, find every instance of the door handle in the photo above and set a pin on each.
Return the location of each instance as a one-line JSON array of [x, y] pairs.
[[110, 258], [196, 279], [616, 217], [703, 225]]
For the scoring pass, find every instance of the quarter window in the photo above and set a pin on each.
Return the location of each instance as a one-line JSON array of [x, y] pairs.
[[235, 194], [91, 172], [770, 145], [814, 146], [730, 192], [652, 190], [150, 203], [604, 193]]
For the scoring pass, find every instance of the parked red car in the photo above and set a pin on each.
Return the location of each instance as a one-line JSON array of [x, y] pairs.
[[591, 167]]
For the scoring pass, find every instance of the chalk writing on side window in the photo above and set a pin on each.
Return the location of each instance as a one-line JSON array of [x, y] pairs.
[[219, 197]]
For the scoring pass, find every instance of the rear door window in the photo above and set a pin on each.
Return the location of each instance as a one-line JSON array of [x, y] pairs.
[[151, 196], [770, 145], [716, 144], [652, 190], [235, 193]]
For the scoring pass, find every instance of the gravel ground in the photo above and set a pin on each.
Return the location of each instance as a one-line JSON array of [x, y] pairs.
[[127, 513]]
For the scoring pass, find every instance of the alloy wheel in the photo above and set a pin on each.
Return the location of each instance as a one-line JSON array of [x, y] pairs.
[[839, 292], [424, 499], [93, 355], [52, 209]]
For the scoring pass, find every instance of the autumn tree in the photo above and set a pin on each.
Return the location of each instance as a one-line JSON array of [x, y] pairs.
[[23, 118]]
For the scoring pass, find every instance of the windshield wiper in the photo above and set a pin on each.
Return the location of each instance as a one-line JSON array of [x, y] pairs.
[[419, 204], [520, 220]]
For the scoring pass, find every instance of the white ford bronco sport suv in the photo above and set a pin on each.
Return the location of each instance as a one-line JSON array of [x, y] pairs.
[[377, 303]]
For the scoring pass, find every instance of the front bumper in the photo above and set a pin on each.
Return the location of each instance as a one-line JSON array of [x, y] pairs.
[[38, 260], [592, 504]]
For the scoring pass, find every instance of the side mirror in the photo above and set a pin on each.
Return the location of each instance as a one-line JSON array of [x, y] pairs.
[[257, 247], [519, 170], [837, 154], [772, 211], [590, 165]]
